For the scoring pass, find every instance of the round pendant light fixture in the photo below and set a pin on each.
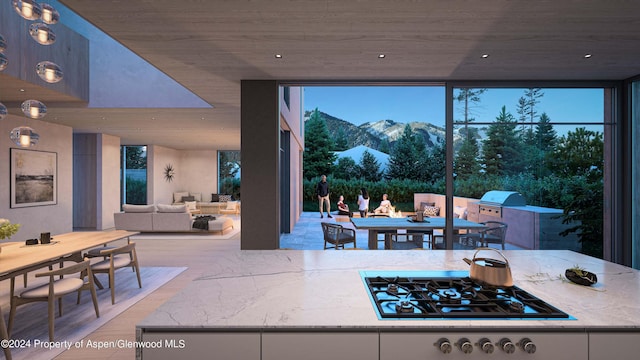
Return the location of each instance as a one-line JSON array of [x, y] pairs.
[[28, 9], [49, 72], [34, 109], [3, 44], [24, 136], [3, 111], [4, 61], [42, 34], [49, 14]]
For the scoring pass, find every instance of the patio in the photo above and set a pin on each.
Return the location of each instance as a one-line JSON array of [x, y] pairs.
[[307, 235]]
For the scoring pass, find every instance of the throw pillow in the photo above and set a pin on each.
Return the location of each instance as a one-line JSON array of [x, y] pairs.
[[191, 205], [432, 210], [460, 212], [171, 208], [423, 204], [215, 198], [188, 198], [196, 196], [129, 208], [177, 196], [223, 198]]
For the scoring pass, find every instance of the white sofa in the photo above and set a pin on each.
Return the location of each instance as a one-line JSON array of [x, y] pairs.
[[166, 218]]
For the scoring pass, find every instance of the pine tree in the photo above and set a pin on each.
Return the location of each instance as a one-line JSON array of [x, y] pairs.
[[370, 167], [317, 157], [502, 150], [405, 158], [466, 162], [341, 140], [347, 169], [435, 164], [384, 146], [468, 100]]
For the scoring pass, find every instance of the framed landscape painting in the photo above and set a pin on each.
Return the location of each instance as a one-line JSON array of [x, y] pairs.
[[33, 178]]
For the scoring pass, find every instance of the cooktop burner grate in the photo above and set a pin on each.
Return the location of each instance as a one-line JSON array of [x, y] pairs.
[[418, 295]]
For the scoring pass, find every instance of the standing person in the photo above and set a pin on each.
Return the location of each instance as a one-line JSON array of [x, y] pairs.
[[363, 202], [385, 205], [322, 190]]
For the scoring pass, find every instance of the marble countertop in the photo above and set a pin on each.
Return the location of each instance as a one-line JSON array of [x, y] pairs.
[[289, 289]]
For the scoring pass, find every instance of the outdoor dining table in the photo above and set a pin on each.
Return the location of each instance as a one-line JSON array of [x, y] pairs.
[[385, 225], [16, 258]]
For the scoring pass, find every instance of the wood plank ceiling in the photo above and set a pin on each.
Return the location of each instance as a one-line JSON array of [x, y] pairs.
[[209, 46]]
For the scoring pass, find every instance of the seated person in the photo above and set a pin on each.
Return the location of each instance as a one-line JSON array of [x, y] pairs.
[[343, 209], [385, 205]]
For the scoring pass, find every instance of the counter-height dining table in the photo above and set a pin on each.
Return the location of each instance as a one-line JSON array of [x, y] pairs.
[[385, 225], [16, 258]]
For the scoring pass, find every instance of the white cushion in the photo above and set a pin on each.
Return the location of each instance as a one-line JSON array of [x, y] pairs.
[[232, 205], [60, 287], [129, 208], [191, 205], [162, 208], [460, 212], [118, 262], [177, 196], [196, 196]]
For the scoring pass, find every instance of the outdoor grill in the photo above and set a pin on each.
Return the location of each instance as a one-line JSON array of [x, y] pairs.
[[492, 202]]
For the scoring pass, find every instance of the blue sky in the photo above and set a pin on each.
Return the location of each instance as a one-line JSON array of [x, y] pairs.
[[360, 104]]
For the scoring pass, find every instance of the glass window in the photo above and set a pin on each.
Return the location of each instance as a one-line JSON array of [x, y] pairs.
[[545, 144], [229, 166], [133, 175]]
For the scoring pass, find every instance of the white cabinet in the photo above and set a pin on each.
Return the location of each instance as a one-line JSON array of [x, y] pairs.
[[341, 345], [614, 345], [201, 345]]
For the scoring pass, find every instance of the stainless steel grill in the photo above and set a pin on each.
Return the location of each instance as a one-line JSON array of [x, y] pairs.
[[491, 203]]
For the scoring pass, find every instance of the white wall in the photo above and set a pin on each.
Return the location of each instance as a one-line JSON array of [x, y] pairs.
[[108, 189], [57, 218], [195, 171]]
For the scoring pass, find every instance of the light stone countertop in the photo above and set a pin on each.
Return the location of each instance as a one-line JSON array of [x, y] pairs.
[[289, 289]]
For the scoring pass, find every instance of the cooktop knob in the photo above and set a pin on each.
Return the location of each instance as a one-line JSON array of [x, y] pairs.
[[486, 346], [507, 346], [528, 346], [444, 345], [465, 345]]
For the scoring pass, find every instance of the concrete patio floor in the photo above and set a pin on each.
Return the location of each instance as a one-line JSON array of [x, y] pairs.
[[307, 235]]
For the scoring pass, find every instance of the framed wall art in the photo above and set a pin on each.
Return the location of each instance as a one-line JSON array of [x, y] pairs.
[[34, 178]]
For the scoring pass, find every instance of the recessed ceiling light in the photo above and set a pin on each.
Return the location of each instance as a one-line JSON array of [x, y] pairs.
[[484, 56], [21, 90], [278, 56], [381, 56], [587, 56]]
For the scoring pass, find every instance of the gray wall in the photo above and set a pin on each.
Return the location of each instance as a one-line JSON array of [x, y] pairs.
[[260, 156]]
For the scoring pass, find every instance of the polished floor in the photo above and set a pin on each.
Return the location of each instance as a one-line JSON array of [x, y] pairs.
[[196, 253]]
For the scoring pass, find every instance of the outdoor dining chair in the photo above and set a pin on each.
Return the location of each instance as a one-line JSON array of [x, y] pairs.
[[337, 235]]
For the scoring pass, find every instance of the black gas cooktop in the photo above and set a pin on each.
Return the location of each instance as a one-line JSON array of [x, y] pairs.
[[450, 295]]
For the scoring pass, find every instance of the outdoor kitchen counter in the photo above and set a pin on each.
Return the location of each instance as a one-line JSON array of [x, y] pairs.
[[284, 289]]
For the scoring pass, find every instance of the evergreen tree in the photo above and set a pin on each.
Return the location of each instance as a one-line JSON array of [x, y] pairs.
[[580, 153], [502, 150], [435, 164], [370, 167], [136, 157], [384, 146], [468, 100], [466, 162], [317, 157], [405, 161], [546, 136], [341, 140], [347, 169], [527, 106]]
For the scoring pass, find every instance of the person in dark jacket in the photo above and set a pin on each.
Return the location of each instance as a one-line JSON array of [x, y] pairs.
[[322, 191]]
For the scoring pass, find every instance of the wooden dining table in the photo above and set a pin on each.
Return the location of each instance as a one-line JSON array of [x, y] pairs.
[[385, 225], [16, 258]]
